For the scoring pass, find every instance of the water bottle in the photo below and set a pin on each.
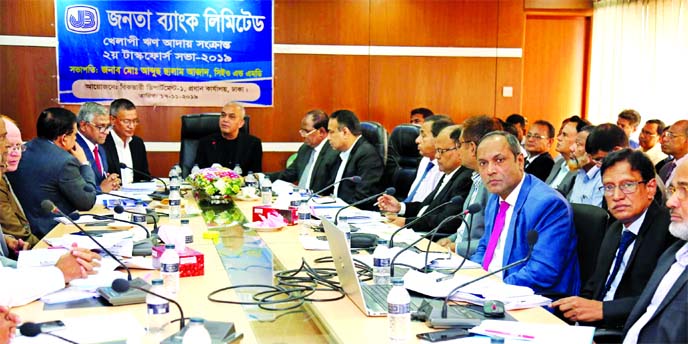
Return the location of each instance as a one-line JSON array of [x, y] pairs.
[[266, 191], [304, 213], [343, 225], [295, 198], [196, 333], [187, 232], [157, 308], [195, 169], [140, 213], [399, 312], [175, 196], [251, 180], [381, 261], [238, 170], [178, 170], [169, 270]]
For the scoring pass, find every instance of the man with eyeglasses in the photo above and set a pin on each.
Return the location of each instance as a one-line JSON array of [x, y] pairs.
[[428, 173], [675, 143], [561, 177], [125, 147], [455, 181], [538, 143], [316, 161], [94, 126], [631, 245], [649, 138]]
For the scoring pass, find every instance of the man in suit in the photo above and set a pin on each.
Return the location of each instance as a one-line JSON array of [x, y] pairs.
[[428, 173], [631, 245], [419, 115], [538, 142], [659, 315], [649, 139], [561, 174], [553, 265], [53, 167], [628, 120], [358, 158], [316, 161], [230, 147], [125, 147], [474, 128], [94, 126], [674, 143], [455, 181]]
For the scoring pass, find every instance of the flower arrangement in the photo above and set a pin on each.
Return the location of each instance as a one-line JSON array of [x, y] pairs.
[[216, 181]]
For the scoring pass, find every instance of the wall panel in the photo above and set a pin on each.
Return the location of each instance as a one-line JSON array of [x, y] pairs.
[[27, 17]]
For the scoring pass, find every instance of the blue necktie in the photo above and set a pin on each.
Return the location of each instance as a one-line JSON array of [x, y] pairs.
[[425, 173], [627, 238]]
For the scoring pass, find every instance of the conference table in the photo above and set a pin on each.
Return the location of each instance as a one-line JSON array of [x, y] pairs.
[[235, 256]]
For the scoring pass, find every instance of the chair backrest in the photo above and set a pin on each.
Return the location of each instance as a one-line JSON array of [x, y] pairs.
[[376, 134], [195, 127], [404, 157], [591, 223]]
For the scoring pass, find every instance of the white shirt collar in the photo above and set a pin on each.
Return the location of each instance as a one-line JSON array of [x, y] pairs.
[[345, 154], [118, 141], [319, 147], [635, 226], [90, 144], [513, 196]]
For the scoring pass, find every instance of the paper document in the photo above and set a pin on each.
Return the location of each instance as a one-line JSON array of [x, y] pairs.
[[39, 257], [408, 257], [141, 187], [535, 333], [312, 243]]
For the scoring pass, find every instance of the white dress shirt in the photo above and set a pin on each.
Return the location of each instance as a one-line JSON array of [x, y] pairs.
[[673, 173], [429, 182], [124, 155], [655, 153], [445, 181], [342, 166], [498, 257], [28, 284], [563, 171], [633, 228]]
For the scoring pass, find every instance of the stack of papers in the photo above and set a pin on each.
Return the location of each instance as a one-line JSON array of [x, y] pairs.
[[417, 259], [119, 243]]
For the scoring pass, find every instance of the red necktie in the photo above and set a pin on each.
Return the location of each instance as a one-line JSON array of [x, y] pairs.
[[96, 157], [496, 233]]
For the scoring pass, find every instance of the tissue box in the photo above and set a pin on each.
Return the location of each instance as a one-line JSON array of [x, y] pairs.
[[290, 215], [191, 262]]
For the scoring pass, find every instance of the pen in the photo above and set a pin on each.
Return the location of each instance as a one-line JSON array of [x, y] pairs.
[[517, 335], [444, 278]]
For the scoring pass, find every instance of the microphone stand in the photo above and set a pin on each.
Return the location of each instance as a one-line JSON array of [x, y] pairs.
[[355, 179], [389, 191], [123, 165], [101, 217], [119, 285], [454, 200]]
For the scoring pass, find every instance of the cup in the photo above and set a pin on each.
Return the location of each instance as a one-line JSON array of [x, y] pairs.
[[248, 192]]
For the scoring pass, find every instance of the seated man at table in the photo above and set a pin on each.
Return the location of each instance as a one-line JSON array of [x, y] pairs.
[[316, 161], [125, 147], [455, 181], [231, 147], [631, 245], [94, 126], [53, 167], [521, 203]]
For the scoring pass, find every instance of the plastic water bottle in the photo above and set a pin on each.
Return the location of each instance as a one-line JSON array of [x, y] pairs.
[[169, 270], [196, 333], [343, 225], [399, 312], [266, 191], [187, 232], [251, 180], [175, 196], [295, 198], [238, 170], [140, 216], [195, 169], [304, 213], [381, 261], [158, 309]]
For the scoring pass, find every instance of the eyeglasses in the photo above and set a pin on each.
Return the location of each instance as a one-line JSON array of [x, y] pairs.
[[671, 135], [441, 151], [101, 128], [304, 133], [133, 122], [536, 136], [680, 191], [625, 187], [18, 147]]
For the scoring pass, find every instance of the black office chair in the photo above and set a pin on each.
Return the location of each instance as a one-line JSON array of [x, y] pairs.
[[195, 127], [591, 223], [376, 134], [403, 154]]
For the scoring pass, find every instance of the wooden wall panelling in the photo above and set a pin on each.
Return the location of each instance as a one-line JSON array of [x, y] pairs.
[[27, 17], [322, 22]]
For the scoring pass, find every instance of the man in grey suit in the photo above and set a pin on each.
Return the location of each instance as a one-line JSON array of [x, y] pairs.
[[54, 167], [561, 177], [660, 314]]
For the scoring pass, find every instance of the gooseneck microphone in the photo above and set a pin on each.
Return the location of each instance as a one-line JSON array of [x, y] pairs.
[[101, 217], [456, 200], [123, 165], [468, 245], [471, 209], [49, 207], [354, 179], [31, 329], [121, 285], [120, 209], [389, 191]]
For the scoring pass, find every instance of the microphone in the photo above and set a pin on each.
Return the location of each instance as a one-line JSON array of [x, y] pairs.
[[354, 179], [471, 209], [389, 191], [456, 200], [31, 329], [477, 207], [120, 209], [441, 319], [101, 217], [89, 188], [121, 285], [123, 165], [49, 207]]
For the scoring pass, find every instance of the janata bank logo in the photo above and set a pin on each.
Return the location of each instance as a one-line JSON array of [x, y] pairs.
[[82, 19]]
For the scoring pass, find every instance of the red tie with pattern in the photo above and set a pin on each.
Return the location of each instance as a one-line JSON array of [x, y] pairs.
[[496, 233], [96, 157]]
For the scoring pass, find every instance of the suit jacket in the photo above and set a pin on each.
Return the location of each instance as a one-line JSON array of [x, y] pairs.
[[553, 266], [668, 324], [364, 161], [91, 160], [541, 166], [249, 152], [12, 217], [567, 183], [459, 185], [139, 157], [324, 168], [46, 171], [476, 221], [652, 240]]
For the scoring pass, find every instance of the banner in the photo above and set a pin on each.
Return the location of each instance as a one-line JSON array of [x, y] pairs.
[[165, 53]]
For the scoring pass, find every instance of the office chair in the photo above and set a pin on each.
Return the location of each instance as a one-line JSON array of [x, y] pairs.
[[376, 135], [404, 157]]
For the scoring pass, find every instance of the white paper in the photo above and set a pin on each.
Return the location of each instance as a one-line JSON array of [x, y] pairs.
[[39, 257], [93, 329], [140, 187], [280, 187], [68, 294], [312, 243], [535, 333]]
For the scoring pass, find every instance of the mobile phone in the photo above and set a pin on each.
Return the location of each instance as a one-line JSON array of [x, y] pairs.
[[50, 326], [439, 336]]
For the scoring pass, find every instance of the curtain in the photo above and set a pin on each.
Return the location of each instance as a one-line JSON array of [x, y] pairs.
[[639, 60]]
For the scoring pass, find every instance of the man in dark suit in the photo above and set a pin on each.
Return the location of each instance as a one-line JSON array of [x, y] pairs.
[[125, 147], [630, 247], [538, 142], [230, 147], [358, 158], [456, 181], [316, 161], [674, 143], [561, 177], [53, 167], [660, 314], [521, 203], [94, 126]]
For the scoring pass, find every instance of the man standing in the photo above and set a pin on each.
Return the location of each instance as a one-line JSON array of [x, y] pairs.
[[455, 181], [94, 126], [660, 314], [230, 147], [125, 147], [538, 142], [561, 174], [420, 115], [358, 158], [428, 173], [631, 245], [674, 143], [521, 203], [53, 167], [649, 140], [628, 120], [316, 162]]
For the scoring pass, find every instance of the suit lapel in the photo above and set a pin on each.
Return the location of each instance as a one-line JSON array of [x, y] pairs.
[[515, 219], [644, 227]]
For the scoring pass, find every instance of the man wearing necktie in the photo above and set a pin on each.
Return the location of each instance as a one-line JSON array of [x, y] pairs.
[[521, 203], [94, 126], [631, 246], [675, 143], [428, 174]]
